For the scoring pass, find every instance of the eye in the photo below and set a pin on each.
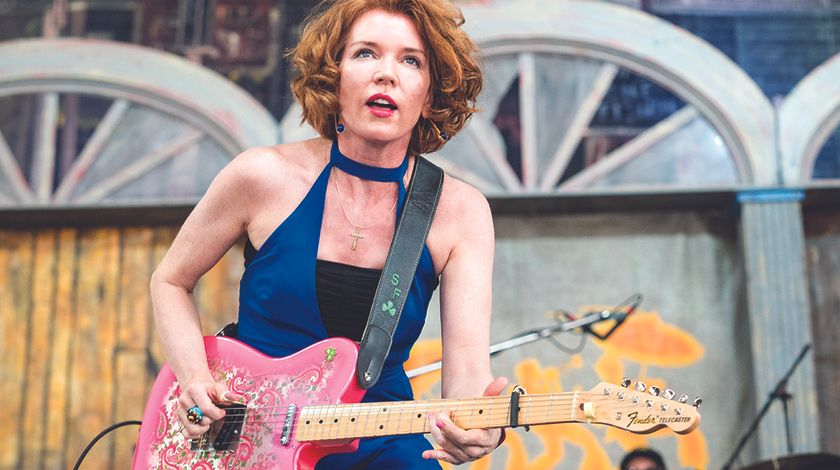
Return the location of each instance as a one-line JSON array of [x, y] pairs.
[[411, 60], [363, 53]]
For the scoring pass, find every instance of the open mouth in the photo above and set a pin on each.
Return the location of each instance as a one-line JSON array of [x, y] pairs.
[[380, 102]]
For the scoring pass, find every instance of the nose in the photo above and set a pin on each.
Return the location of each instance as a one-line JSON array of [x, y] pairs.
[[386, 73]]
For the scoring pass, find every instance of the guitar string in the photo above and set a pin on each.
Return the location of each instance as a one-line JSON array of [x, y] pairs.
[[393, 407], [536, 405], [493, 415]]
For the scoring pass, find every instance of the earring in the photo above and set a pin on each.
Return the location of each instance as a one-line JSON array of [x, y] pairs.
[[339, 127], [441, 135]]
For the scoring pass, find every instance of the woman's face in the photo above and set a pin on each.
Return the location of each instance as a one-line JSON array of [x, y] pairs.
[[384, 82]]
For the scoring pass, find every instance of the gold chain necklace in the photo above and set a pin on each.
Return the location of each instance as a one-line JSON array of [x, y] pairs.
[[357, 229]]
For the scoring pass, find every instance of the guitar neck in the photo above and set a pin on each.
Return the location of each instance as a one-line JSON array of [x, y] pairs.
[[358, 420]]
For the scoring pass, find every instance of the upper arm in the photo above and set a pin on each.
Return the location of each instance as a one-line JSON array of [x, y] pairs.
[[214, 225], [466, 294]]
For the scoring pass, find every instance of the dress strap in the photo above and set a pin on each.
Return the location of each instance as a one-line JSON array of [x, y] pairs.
[[368, 172]]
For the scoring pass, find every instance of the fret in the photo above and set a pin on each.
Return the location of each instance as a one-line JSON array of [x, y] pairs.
[[473, 411], [415, 421], [426, 408], [332, 420], [405, 419], [350, 421], [550, 406], [343, 419], [302, 430], [356, 411], [527, 407], [380, 426], [394, 417], [489, 413], [371, 422]]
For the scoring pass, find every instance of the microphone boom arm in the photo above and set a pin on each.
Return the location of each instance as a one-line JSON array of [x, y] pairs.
[[530, 336]]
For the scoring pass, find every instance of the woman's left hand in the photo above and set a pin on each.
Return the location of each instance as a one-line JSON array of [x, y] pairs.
[[459, 445]]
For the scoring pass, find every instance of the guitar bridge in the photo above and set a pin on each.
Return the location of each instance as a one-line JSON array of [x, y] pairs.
[[224, 434]]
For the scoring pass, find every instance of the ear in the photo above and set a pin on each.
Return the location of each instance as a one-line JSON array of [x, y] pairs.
[[427, 109], [427, 106]]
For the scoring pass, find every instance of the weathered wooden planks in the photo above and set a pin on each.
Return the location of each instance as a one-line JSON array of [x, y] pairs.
[[62, 340], [79, 350], [38, 347], [15, 311]]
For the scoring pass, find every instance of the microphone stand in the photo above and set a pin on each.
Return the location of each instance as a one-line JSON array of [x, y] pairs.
[[529, 336], [782, 394]]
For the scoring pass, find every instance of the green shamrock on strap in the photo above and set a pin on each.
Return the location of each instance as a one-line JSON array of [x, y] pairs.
[[388, 307]]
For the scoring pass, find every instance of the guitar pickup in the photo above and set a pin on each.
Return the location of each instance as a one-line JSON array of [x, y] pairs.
[[224, 434]]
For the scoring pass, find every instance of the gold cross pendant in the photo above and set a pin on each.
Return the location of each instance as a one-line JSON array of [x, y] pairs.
[[357, 235]]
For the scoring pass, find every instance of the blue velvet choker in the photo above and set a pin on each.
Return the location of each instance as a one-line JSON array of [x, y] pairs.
[[368, 172]]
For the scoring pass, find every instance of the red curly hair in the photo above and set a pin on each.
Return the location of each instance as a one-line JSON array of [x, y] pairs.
[[455, 73]]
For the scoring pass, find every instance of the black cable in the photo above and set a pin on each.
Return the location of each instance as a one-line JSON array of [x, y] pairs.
[[565, 348], [100, 436]]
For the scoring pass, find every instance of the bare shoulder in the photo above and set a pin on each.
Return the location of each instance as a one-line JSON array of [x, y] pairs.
[[462, 204], [282, 163], [463, 221]]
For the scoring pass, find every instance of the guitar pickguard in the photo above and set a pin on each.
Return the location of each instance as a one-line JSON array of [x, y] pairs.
[[270, 385]]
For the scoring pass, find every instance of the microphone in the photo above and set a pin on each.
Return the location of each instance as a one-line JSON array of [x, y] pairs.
[[618, 313]]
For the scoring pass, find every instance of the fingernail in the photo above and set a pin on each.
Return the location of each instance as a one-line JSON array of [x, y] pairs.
[[440, 424]]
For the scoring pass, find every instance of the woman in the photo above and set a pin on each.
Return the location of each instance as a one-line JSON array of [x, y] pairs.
[[381, 81]]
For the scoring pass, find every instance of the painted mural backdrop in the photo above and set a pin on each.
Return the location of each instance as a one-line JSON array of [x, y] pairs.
[[644, 341]]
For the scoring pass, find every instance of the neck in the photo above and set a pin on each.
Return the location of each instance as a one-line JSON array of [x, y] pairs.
[[353, 421], [380, 154]]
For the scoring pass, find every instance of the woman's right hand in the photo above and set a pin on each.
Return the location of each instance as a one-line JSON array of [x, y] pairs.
[[205, 395]]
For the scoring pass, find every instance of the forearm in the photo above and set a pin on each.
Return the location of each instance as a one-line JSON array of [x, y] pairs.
[[465, 375], [179, 329]]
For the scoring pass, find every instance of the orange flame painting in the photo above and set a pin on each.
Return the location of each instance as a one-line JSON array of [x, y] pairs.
[[644, 340]]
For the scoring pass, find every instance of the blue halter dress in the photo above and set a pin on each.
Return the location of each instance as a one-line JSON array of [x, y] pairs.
[[279, 313]]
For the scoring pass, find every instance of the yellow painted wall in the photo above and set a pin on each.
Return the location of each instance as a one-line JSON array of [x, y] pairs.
[[79, 350]]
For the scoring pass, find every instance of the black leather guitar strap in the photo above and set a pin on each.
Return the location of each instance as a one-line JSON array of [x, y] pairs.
[[400, 265]]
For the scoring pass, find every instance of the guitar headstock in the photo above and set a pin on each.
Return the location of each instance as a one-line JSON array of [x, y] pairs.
[[639, 409]]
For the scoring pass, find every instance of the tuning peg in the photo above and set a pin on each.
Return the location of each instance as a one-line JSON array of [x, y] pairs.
[[697, 401], [654, 390], [640, 386], [625, 382], [683, 398], [668, 394]]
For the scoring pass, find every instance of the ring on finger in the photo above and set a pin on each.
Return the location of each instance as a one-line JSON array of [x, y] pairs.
[[194, 415]]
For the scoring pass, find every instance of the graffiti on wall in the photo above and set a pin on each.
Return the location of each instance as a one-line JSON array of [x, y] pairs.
[[645, 341]]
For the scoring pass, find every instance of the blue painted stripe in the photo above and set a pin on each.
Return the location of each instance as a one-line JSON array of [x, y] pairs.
[[760, 196]]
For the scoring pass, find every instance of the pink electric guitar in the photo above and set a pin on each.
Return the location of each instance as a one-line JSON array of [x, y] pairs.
[[305, 406]]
